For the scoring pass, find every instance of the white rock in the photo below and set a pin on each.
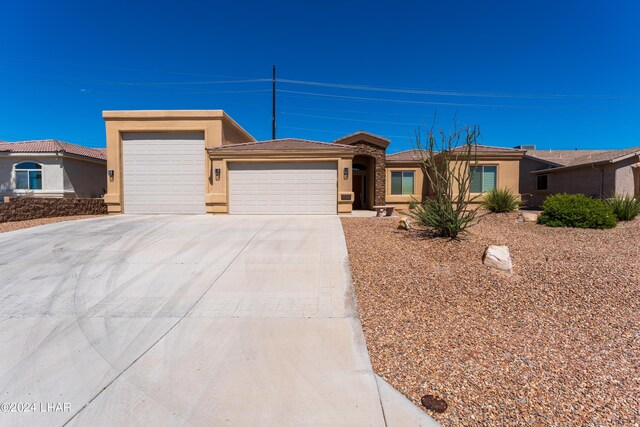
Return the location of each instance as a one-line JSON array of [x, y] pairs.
[[404, 224], [498, 257], [528, 217]]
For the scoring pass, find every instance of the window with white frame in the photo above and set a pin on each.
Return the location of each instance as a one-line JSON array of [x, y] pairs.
[[402, 182], [28, 176], [483, 178]]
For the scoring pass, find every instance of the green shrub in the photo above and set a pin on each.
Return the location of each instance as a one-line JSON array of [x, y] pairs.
[[442, 218], [576, 210], [501, 200], [624, 207], [413, 203]]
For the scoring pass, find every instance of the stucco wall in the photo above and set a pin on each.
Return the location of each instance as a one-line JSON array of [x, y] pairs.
[[52, 176], [584, 180], [626, 176], [85, 179]]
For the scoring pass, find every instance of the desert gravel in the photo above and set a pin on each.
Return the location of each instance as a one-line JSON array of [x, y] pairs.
[[17, 225], [556, 343]]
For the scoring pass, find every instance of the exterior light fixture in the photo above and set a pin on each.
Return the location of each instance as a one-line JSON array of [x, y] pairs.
[[346, 173], [110, 173], [217, 174]]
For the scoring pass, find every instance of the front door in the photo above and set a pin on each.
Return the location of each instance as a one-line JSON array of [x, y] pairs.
[[360, 192]]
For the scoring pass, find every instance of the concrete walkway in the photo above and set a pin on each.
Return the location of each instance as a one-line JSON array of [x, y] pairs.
[[186, 320]]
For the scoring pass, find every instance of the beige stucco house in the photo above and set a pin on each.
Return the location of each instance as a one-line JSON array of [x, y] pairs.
[[203, 161], [51, 168], [597, 173]]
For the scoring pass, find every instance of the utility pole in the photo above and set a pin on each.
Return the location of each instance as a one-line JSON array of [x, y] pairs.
[[273, 106]]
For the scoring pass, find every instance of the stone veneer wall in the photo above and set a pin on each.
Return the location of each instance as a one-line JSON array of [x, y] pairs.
[[24, 208], [380, 156]]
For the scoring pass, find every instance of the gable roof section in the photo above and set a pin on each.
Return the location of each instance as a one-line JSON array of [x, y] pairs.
[[362, 136], [52, 146], [564, 159], [285, 144]]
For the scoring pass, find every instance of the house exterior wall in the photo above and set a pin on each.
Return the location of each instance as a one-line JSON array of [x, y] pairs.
[[220, 188], [626, 177], [52, 176], [508, 177], [219, 129], [590, 180], [86, 179]]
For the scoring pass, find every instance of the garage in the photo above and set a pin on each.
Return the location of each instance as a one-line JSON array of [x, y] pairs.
[[283, 188], [163, 173]]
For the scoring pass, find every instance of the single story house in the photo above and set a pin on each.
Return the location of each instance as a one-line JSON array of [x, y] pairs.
[[51, 168], [203, 161], [597, 173]]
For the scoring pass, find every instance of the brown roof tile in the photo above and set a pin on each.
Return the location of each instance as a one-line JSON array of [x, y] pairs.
[[580, 157], [285, 144], [414, 155], [52, 146]]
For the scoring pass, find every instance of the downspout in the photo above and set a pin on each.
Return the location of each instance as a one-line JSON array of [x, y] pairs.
[[601, 180]]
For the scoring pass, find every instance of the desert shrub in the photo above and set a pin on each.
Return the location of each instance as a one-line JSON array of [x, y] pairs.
[[501, 200], [446, 159], [413, 203], [624, 207], [442, 218], [576, 210]]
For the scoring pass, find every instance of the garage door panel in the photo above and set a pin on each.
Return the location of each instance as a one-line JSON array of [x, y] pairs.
[[163, 172], [283, 188]]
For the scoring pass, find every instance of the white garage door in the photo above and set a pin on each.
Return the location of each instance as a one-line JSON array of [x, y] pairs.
[[283, 188], [163, 172]]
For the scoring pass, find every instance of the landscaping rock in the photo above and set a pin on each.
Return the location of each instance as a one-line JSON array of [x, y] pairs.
[[498, 257], [528, 217], [434, 404], [404, 224]]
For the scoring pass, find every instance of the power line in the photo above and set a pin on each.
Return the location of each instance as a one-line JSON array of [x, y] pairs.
[[352, 120], [338, 132], [445, 92], [406, 101]]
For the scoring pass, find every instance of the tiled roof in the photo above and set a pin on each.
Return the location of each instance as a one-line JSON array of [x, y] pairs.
[[361, 132], [581, 157], [414, 155], [406, 156], [285, 144], [52, 146]]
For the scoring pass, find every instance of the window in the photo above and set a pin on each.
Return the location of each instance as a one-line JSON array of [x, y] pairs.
[[402, 182], [484, 178], [542, 182], [28, 176]]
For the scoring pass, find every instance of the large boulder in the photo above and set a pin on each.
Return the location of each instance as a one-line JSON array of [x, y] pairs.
[[498, 257]]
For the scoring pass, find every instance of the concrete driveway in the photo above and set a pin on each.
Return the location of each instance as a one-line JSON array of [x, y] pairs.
[[185, 320]]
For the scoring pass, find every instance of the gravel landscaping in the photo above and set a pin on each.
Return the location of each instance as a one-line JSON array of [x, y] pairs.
[[17, 225], [555, 343]]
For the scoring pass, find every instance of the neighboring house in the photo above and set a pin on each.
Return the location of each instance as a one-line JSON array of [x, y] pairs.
[[203, 161], [597, 173], [51, 168]]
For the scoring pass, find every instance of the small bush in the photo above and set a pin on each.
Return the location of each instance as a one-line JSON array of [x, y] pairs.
[[624, 207], [576, 210], [442, 218], [501, 200]]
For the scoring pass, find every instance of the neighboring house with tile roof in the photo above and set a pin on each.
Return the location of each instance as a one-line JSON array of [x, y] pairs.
[[51, 168], [597, 173]]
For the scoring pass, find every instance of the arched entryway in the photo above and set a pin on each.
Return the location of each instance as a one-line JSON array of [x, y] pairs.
[[363, 182]]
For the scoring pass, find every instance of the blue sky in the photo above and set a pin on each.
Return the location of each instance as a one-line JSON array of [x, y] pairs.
[[557, 74]]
